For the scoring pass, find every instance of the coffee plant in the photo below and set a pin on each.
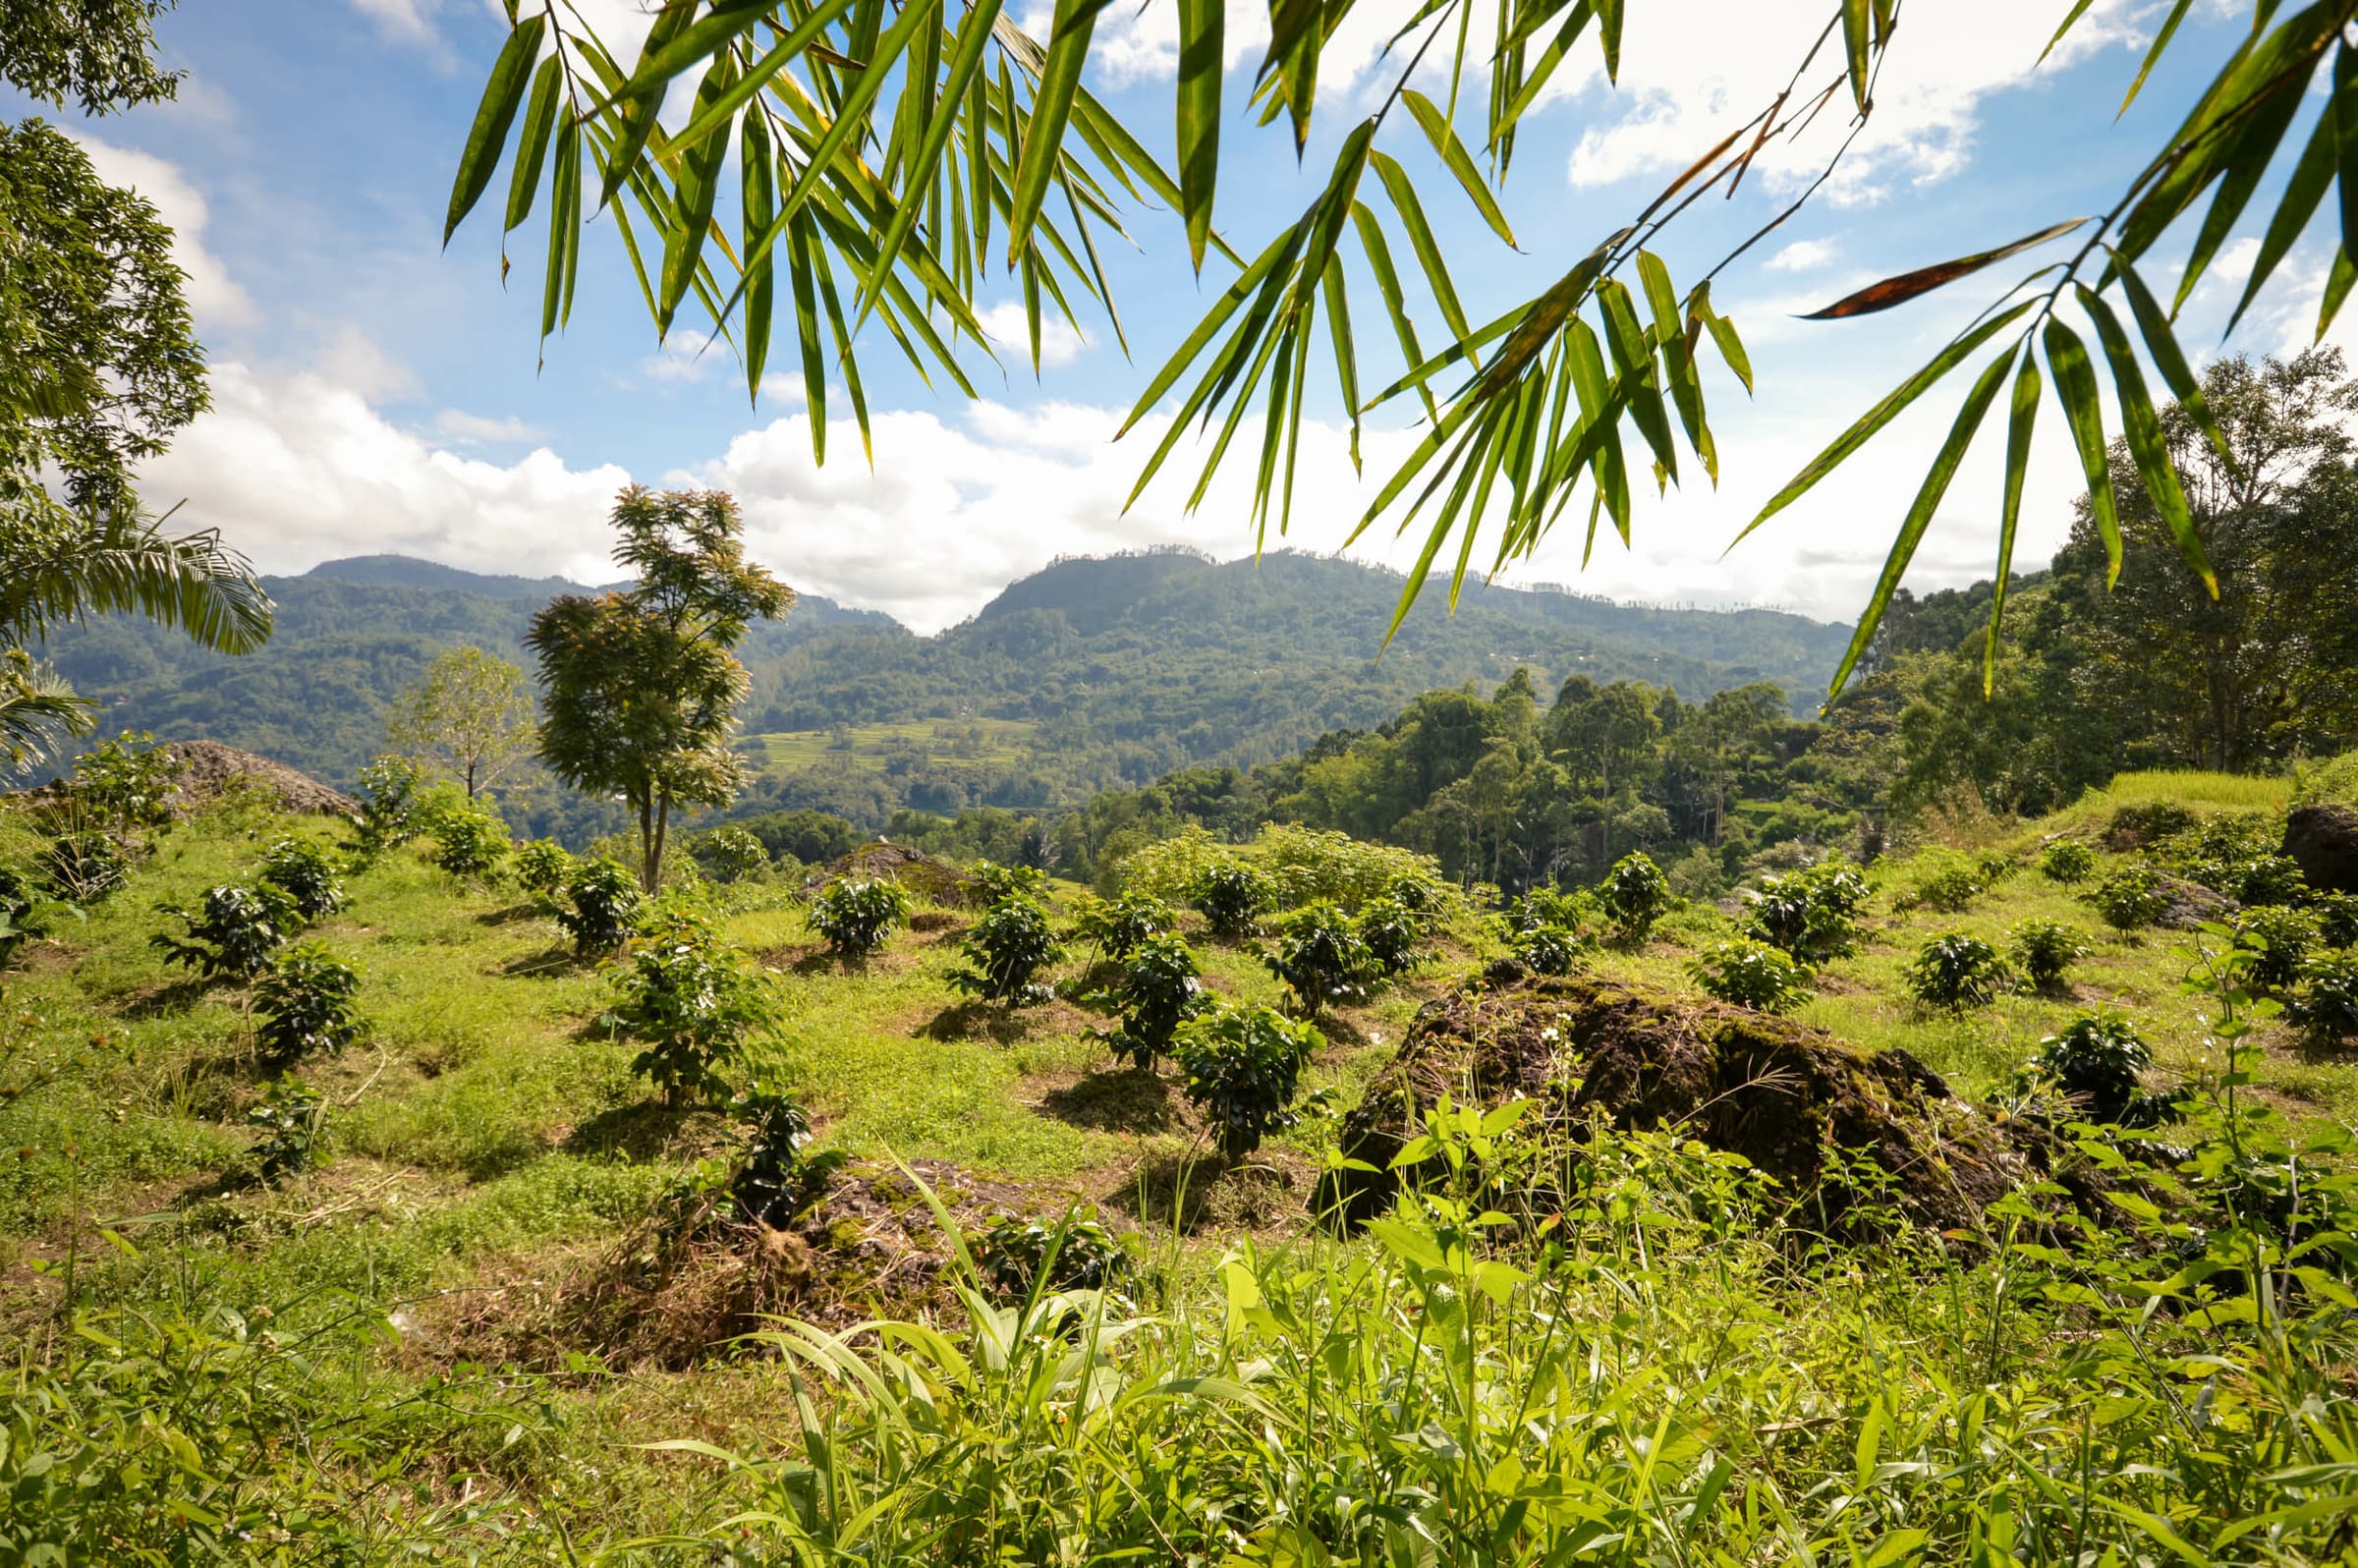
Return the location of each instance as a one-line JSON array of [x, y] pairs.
[[691, 999], [1020, 1255], [2095, 1059], [1954, 969], [1548, 949], [1321, 959], [1753, 975], [1635, 894], [288, 1117], [2266, 879], [2044, 950], [1394, 934], [26, 913], [1119, 927], [1233, 898], [303, 873], [2336, 917], [605, 902], [2327, 1004], [542, 866], [304, 1005], [2131, 898], [1810, 914], [778, 1177], [1005, 951], [1950, 885], [856, 916], [127, 783], [2068, 861], [2280, 938], [1159, 989], [995, 881], [1243, 1066], [470, 843], [729, 854], [1572, 913], [233, 934], [389, 791]]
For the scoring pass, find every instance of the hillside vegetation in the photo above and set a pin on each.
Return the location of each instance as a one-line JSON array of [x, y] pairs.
[[473, 1282]]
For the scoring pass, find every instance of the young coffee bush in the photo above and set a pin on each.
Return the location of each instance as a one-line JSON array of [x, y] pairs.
[[856, 916], [1243, 1065], [995, 882], [1233, 898], [2068, 861], [234, 934], [542, 866], [305, 1005], [2096, 1060], [470, 843], [389, 791], [83, 867], [605, 903], [288, 1116], [729, 854], [2266, 879], [2327, 1004], [1810, 914], [128, 783], [1005, 951], [1752, 975], [1118, 928], [1950, 885], [2278, 939], [1956, 970], [691, 999], [2131, 898], [25, 915], [1572, 913], [1635, 894], [2044, 950], [1549, 949], [1394, 934], [2336, 919], [1021, 1255], [303, 873], [1321, 959], [778, 1178], [1160, 989]]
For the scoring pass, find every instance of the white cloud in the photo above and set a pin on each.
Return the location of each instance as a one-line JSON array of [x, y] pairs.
[[214, 298], [684, 356], [474, 429], [351, 359], [1011, 335], [1802, 255]]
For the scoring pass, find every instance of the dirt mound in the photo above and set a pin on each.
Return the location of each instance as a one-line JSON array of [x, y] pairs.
[[208, 769], [2191, 904], [1780, 1094], [915, 870]]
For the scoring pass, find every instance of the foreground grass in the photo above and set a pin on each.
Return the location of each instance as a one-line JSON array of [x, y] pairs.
[[1704, 1391]]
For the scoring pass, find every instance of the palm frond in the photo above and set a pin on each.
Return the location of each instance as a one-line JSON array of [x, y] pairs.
[[57, 567], [38, 714]]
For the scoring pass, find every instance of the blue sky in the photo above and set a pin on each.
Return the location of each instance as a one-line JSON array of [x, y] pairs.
[[374, 392]]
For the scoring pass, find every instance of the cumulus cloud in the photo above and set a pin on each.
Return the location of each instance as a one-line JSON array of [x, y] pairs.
[[1802, 255], [213, 296], [474, 429], [1011, 335]]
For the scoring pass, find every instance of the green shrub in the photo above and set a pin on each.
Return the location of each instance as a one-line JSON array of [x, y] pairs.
[[2095, 1059], [1005, 951], [2327, 1004], [128, 783], [26, 913], [542, 866], [856, 916], [302, 872], [605, 900], [1571, 912], [1159, 989], [691, 999], [83, 867], [1810, 914], [777, 1177], [1321, 959], [305, 1003], [1020, 1255], [234, 934], [995, 882], [1243, 1065], [2278, 939], [2336, 917], [2068, 861], [2267, 879], [1233, 897], [1956, 969], [729, 854], [1548, 949], [389, 791], [2044, 950], [1117, 928], [1753, 975], [1950, 885], [288, 1116], [470, 843], [1635, 894], [2131, 898], [1394, 934]]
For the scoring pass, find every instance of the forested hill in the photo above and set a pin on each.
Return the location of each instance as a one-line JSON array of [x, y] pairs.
[[1095, 671]]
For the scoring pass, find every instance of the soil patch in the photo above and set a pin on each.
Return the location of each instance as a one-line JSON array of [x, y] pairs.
[[1785, 1096]]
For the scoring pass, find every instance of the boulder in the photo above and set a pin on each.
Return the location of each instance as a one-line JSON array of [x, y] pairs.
[[2323, 840]]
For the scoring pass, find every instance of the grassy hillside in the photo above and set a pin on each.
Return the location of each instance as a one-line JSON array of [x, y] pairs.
[[394, 1346]]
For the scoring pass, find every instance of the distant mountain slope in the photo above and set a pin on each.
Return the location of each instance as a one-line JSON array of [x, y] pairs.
[[1122, 667]]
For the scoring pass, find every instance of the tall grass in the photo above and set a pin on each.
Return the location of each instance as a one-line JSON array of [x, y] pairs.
[[2242, 792]]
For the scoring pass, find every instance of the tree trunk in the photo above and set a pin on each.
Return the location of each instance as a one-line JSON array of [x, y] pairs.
[[655, 864], [646, 843]]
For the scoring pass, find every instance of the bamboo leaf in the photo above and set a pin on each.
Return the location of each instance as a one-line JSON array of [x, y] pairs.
[[1856, 39], [2144, 431], [638, 110], [564, 229], [2162, 344], [531, 149], [1052, 107], [2345, 131], [1723, 336], [2302, 194], [2338, 289], [1411, 211], [1920, 515], [1203, 59], [760, 201], [966, 62], [1452, 152], [2019, 425], [2170, 26], [487, 137], [1908, 285], [699, 190], [2075, 389], [794, 46]]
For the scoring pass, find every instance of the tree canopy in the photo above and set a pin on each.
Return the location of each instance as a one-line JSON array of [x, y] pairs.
[[468, 716]]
